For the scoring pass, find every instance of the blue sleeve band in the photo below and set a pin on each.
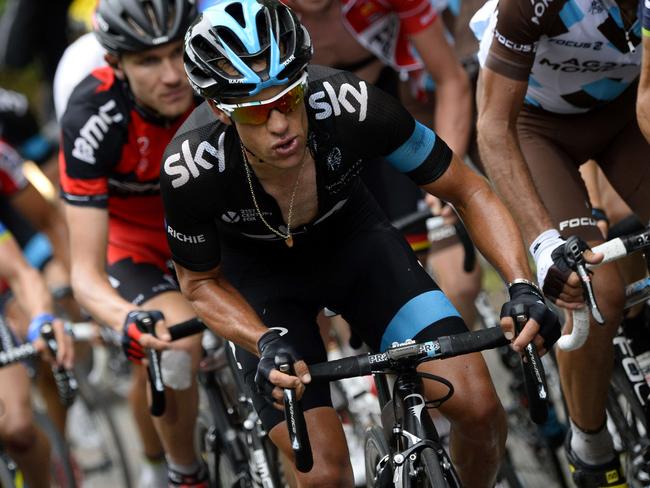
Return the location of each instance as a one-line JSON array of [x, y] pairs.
[[416, 315], [36, 324], [414, 151]]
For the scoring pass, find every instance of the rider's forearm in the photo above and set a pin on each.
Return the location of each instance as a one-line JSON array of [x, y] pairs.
[[643, 99], [93, 291], [223, 309], [453, 112], [506, 167], [31, 292], [495, 233]]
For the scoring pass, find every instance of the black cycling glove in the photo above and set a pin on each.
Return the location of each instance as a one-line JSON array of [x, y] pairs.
[[535, 308], [136, 324], [269, 345], [564, 259]]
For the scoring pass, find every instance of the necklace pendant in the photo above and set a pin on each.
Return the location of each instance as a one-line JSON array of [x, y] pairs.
[[289, 240]]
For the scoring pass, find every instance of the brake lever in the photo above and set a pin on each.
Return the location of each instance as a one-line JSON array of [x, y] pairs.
[[577, 262]]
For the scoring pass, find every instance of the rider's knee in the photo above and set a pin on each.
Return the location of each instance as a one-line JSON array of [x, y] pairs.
[[20, 434], [464, 291], [330, 474], [485, 417]]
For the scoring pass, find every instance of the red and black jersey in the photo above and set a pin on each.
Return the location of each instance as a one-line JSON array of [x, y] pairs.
[[110, 158]]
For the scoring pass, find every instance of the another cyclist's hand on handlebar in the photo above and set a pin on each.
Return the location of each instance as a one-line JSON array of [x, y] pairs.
[[563, 285], [543, 326], [62, 335], [268, 380], [136, 334], [559, 282]]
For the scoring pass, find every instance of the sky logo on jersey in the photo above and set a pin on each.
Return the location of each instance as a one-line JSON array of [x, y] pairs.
[[327, 102], [94, 130], [173, 165]]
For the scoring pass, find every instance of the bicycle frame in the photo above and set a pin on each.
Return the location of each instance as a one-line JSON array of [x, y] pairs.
[[413, 429]]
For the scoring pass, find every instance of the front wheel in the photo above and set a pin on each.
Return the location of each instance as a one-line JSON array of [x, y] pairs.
[[377, 457], [434, 470]]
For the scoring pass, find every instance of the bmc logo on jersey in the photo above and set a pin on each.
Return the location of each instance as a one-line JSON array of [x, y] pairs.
[[93, 132], [327, 102], [173, 165]]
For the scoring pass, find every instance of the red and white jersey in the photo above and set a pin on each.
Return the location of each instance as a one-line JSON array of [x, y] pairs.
[[384, 27]]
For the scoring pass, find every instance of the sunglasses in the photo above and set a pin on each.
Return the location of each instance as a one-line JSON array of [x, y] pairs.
[[258, 112]]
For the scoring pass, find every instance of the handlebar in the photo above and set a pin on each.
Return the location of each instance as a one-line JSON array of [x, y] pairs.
[[611, 250], [414, 352]]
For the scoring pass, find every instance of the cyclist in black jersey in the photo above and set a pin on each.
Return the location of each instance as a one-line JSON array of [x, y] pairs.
[[268, 222]]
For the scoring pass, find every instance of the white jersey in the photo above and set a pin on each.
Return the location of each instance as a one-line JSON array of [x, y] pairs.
[[78, 61], [575, 55]]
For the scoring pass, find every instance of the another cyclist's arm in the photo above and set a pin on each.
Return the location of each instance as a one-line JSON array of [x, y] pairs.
[[45, 217], [31, 292], [643, 99], [453, 107], [88, 229], [25, 282], [500, 100], [491, 226]]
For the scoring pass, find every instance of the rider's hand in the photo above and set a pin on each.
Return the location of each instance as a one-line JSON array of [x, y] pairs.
[[62, 335], [543, 326], [559, 283], [439, 207], [268, 380], [136, 336]]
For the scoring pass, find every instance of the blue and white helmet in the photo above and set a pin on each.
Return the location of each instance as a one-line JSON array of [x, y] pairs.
[[236, 48]]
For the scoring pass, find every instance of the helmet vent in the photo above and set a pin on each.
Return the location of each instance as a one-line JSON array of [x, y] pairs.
[[228, 38], [263, 23], [150, 12], [205, 50], [134, 25], [236, 11]]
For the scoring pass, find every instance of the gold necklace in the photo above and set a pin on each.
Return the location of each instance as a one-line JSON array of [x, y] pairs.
[[288, 238]]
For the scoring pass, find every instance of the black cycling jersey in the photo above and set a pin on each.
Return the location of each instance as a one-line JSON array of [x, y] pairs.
[[205, 190]]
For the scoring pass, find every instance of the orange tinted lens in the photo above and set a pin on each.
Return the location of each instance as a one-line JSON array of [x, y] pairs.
[[258, 114], [255, 114]]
